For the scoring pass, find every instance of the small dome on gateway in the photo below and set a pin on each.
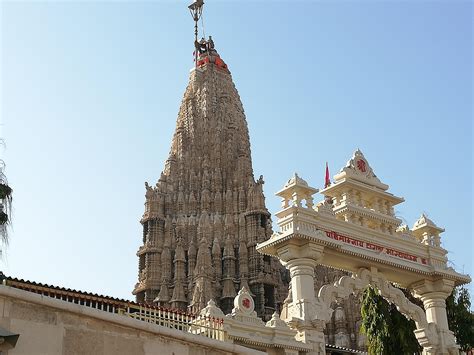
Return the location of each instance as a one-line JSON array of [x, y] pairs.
[[296, 180], [424, 221]]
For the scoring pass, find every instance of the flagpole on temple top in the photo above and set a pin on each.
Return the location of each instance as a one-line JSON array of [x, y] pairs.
[[327, 183], [196, 12], [327, 179]]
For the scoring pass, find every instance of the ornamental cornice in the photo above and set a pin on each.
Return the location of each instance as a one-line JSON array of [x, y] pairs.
[[260, 211], [150, 216], [140, 250], [460, 279], [308, 226], [425, 270], [390, 249], [374, 236], [147, 249], [367, 213], [139, 287], [227, 257], [383, 260], [347, 183], [248, 340]]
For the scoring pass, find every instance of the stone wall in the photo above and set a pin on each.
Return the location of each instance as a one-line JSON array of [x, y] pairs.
[[54, 327]]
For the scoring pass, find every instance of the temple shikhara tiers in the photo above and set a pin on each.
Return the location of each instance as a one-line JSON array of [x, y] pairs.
[[205, 215], [214, 278]]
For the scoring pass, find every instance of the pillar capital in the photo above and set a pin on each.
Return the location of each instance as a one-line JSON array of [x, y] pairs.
[[300, 252], [435, 289]]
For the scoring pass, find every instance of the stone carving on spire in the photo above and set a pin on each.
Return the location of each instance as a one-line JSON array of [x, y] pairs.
[[178, 300], [207, 198]]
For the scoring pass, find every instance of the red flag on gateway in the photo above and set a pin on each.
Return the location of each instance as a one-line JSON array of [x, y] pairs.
[[327, 180]]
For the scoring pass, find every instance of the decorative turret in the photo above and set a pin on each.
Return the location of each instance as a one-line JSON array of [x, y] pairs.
[[427, 232], [243, 264], [359, 197], [192, 253], [203, 261], [202, 277], [163, 295], [217, 260], [228, 286], [178, 300], [295, 191]]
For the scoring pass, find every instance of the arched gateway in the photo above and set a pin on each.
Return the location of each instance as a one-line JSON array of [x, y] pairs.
[[355, 229]]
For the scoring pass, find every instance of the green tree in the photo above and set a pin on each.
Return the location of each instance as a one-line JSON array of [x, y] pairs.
[[5, 203], [375, 322], [460, 318], [387, 330], [403, 336]]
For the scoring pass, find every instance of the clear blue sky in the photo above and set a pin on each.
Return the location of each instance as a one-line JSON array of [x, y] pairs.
[[91, 91]]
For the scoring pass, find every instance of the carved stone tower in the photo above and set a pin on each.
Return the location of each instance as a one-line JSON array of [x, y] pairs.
[[206, 213]]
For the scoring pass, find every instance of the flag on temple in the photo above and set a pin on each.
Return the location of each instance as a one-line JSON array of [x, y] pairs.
[[327, 180]]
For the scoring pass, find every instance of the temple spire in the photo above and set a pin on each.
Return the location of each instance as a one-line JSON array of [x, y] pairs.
[[207, 201]]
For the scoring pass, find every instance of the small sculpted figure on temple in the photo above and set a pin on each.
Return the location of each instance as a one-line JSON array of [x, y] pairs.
[[201, 46], [210, 43], [149, 191]]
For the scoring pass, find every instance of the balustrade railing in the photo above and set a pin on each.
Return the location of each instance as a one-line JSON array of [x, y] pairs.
[[210, 327], [161, 316], [170, 318]]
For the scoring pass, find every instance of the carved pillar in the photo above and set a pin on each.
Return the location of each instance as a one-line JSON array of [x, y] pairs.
[[302, 278], [434, 294], [301, 314], [341, 335]]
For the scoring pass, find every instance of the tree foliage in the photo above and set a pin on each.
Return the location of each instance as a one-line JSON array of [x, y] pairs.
[[390, 332], [375, 315], [460, 318], [387, 330], [5, 202]]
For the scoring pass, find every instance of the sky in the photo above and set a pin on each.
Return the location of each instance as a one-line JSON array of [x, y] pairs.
[[90, 92]]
